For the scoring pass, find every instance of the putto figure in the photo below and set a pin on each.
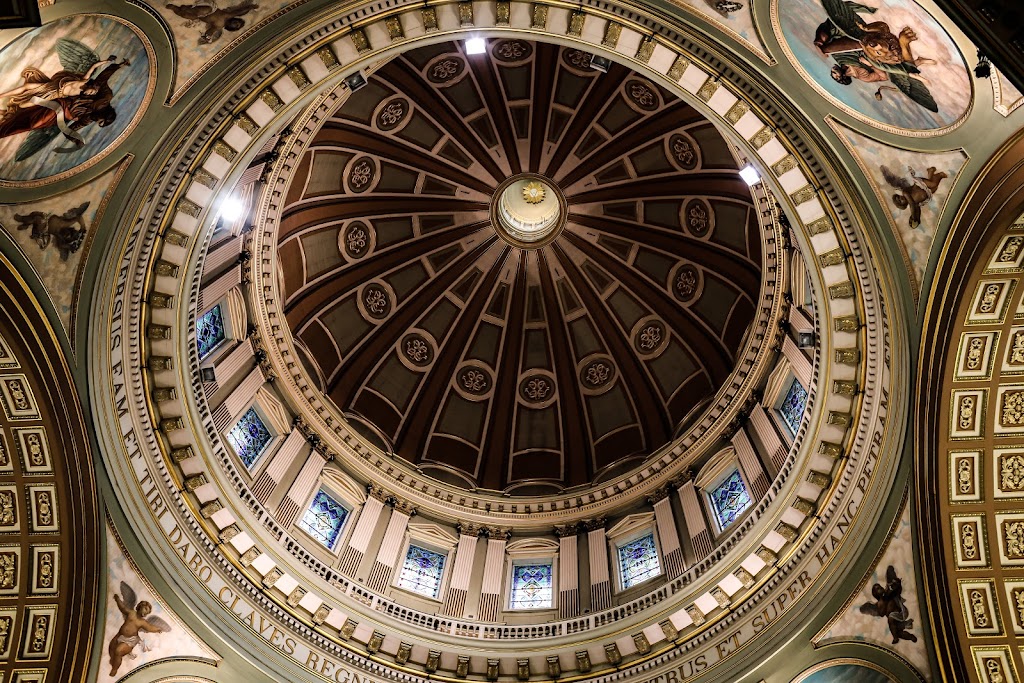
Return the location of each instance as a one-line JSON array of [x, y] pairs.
[[215, 20], [49, 228], [914, 191], [870, 52], [890, 605], [137, 621]]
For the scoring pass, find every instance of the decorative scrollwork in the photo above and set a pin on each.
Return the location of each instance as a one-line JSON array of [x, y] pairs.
[[511, 51], [392, 114], [361, 176], [536, 389], [445, 70], [376, 301], [643, 95]]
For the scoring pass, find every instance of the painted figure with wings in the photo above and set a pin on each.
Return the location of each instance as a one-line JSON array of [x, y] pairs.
[[870, 52], [215, 20], [66, 102], [137, 621], [889, 604], [914, 190]]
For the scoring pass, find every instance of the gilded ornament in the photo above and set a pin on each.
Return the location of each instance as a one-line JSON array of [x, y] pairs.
[[158, 331], [45, 569], [787, 531], [583, 661], [360, 41], [989, 298], [737, 112], [182, 453], [695, 615], [612, 654], [189, 207], [375, 641], [1018, 604], [766, 555], [1011, 472], [533, 192], [539, 16], [321, 614], [804, 506], [966, 412], [8, 570], [1013, 539], [969, 540], [503, 13], [844, 387], [979, 609], [523, 669], [576, 21], [708, 90], [8, 509], [965, 475], [246, 123], [223, 149], [641, 643], [678, 68], [466, 13], [819, 479], [819, 226], [161, 394], [166, 269], [785, 165], [5, 632], [172, 424], [349, 627], [1011, 250], [1013, 409], [394, 27], [330, 60], [178, 239], [211, 508], [271, 99], [272, 577], [762, 137], [554, 667], [975, 351], [159, 300], [195, 481], [803, 195], [843, 290], [461, 666], [645, 50], [1017, 349], [669, 629], [846, 323], [612, 31], [295, 597], [835, 257], [249, 556], [830, 449], [492, 669], [720, 597], [404, 652], [850, 356]]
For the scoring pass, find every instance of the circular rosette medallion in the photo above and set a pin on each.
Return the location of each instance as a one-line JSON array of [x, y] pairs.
[[643, 95], [578, 60], [698, 217], [537, 389], [392, 114], [597, 374], [512, 50], [357, 240], [683, 151], [446, 70], [416, 350], [474, 381], [685, 283], [376, 301], [361, 174], [649, 337]]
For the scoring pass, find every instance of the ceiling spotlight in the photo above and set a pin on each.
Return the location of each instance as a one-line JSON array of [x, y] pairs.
[[475, 46], [750, 175], [599, 63], [355, 81], [805, 340], [231, 209]]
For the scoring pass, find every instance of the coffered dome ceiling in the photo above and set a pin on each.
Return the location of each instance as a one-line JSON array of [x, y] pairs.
[[517, 293]]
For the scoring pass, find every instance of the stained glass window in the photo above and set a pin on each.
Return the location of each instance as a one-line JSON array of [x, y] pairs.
[[324, 519], [730, 498], [422, 571], [249, 437], [209, 331], [531, 586], [638, 561], [793, 406]]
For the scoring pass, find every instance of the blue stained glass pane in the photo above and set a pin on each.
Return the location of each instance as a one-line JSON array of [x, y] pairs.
[[531, 586], [324, 519], [422, 571], [209, 331], [249, 437], [793, 406], [638, 561], [730, 498]]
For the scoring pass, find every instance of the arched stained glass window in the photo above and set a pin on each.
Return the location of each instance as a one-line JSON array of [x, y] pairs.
[[730, 499], [531, 586], [249, 437], [638, 561], [209, 331], [422, 571], [324, 519], [793, 405]]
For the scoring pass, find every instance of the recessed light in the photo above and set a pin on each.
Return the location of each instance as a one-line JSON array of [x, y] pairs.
[[355, 81], [750, 175], [231, 209], [600, 63], [475, 46]]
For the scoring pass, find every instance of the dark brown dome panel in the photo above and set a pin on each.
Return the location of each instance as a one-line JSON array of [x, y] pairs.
[[486, 360]]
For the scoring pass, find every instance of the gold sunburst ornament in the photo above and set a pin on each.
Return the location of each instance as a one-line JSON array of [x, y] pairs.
[[533, 192]]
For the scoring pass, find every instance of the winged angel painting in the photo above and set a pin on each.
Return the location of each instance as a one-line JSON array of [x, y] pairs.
[[67, 91], [138, 623], [887, 59]]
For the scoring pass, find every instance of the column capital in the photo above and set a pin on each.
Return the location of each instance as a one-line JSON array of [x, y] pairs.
[[403, 506], [374, 491], [497, 533], [563, 530], [658, 495], [469, 529], [593, 524]]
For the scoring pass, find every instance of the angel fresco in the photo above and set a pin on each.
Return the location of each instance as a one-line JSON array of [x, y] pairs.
[[889, 604], [58, 230], [869, 52], [66, 102], [214, 19], [137, 621], [915, 190]]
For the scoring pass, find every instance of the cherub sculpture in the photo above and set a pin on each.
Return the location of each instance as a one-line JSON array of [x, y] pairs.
[[890, 605], [137, 621]]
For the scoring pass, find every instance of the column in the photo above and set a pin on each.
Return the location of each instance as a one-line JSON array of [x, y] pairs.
[[696, 525], [568, 571], [215, 290], [360, 537], [231, 408], [600, 579], [751, 464], [271, 475], [455, 598], [300, 489], [494, 570], [665, 520], [394, 535], [799, 361], [768, 437]]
